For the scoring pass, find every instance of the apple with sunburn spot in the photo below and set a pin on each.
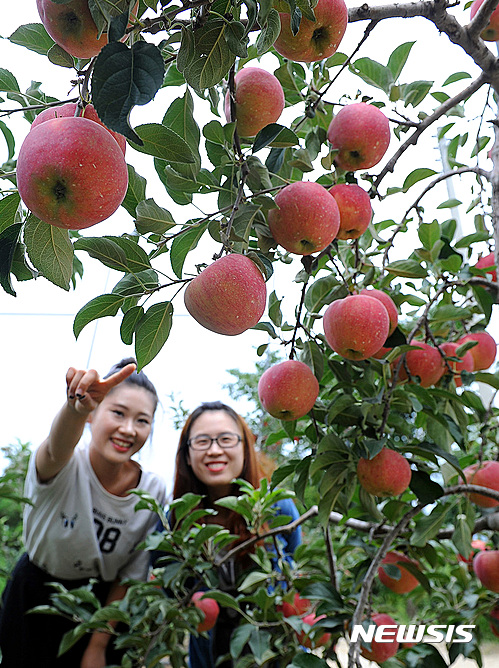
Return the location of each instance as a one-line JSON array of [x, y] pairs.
[[307, 218], [486, 567], [466, 363], [361, 134], [382, 651], [406, 582], [485, 474], [488, 260], [355, 209], [229, 296], [315, 40], [484, 353], [357, 326], [288, 390], [387, 474], [209, 607], [259, 100], [491, 31], [71, 173], [69, 109], [388, 303], [424, 362]]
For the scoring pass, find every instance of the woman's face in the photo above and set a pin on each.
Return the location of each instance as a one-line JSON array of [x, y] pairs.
[[216, 466]]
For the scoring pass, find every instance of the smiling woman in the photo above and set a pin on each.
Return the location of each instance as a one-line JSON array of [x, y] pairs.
[[82, 522]]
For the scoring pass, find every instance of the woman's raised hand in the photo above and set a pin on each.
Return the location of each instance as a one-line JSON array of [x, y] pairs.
[[86, 390]]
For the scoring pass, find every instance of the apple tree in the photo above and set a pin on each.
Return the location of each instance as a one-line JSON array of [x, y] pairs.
[[398, 445]]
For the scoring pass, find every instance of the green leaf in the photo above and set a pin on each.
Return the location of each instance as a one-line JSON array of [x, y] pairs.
[[275, 135], [312, 356], [211, 57], [458, 76], [184, 243], [414, 93], [269, 33], [8, 82], [449, 204], [485, 300], [318, 294], [462, 535], [8, 210], [237, 40], [58, 56], [136, 191], [417, 175], [488, 378], [161, 142], [8, 243], [99, 307], [407, 269], [122, 78], [50, 251], [373, 73], [129, 324], [449, 312], [180, 118], [429, 234], [239, 638], [150, 217], [34, 37], [117, 253], [398, 59], [135, 285], [152, 331], [428, 526], [9, 139]]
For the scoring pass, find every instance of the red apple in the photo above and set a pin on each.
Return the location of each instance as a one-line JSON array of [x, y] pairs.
[[299, 606], [355, 209], [389, 304], [406, 582], [486, 567], [466, 363], [494, 624], [381, 652], [491, 31], [488, 260], [307, 219], [425, 363], [288, 390], [71, 173], [484, 353], [485, 474], [304, 637], [259, 100], [210, 609], [386, 474], [314, 40], [229, 296], [361, 133], [357, 326], [69, 109]]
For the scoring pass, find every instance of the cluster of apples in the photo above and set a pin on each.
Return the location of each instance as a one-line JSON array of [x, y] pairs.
[[302, 607]]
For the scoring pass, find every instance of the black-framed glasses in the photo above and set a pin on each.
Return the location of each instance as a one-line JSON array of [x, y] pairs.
[[225, 441]]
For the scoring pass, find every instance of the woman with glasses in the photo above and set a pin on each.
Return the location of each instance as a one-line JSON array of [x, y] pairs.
[[216, 446]]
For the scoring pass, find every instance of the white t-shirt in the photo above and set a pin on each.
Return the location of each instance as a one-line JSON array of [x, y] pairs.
[[77, 529]]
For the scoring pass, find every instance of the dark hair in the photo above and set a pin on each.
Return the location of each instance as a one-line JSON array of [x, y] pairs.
[[185, 479], [138, 379]]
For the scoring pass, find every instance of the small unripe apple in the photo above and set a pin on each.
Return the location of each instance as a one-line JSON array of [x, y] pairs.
[[486, 567], [485, 474], [466, 363], [209, 607], [307, 219], [425, 363], [69, 109], [304, 637], [488, 260], [356, 327], [355, 209], [389, 304], [484, 353], [288, 390], [406, 582], [386, 474], [229, 296], [299, 606], [361, 133], [381, 652], [491, 31], [71, 172], [259, 99], [314, 40]]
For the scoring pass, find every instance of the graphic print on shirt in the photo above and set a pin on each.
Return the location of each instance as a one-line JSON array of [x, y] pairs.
[[68, 521], [108, 530]]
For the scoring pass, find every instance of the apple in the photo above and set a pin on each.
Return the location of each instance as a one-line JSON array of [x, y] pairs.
[[71, 173], [316, 641], [485, 474], [484, 353], [380, 652], [229, 296], [307, 219], [387, 474], [389, 305], [494, 623], [355, 209], [406, 582], [425, 363], [466, 363], [209, 607], [288, 390], [361, 134], [299, 606], [489, 260], [491, 31], [356, 327], [69, 109], [317, 39], [486, 567], [259, 99]]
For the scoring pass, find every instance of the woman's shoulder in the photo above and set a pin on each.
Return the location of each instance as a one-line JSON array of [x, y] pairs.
[[154, 484]]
